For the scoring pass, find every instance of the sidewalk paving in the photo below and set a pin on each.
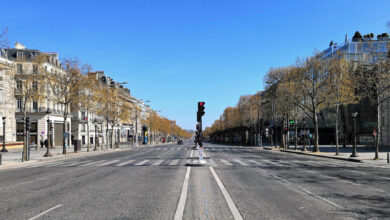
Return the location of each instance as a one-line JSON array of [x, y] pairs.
[[365, 155], [13, 158]]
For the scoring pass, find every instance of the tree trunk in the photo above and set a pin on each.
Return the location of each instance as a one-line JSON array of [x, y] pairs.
[[337, 129], [63, 137], [107, 135], [88, 133], [112, 136], [296, 134], [315, 120], [378, 130]]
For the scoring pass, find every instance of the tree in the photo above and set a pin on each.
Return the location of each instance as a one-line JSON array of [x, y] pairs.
[[65, 89], [311, 89], [29, 87], [357, 36], [343, 83], [4, 42], [374, 81], [88, 93]]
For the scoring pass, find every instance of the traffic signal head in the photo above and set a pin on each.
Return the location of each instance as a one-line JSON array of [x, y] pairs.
[[197, 127], [28, 123], [201, 108], [291, 122]]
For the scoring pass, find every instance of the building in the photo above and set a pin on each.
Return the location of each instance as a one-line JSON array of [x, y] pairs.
[[367, 51], [41, 110], [7, 99]]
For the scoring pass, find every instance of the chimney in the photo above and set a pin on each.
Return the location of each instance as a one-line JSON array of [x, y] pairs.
[[19, 46]]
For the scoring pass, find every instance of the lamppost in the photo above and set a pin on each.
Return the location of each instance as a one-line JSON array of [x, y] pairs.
[[354, 118], [96, 138], [4, 149], [304, 134], [48, 154]]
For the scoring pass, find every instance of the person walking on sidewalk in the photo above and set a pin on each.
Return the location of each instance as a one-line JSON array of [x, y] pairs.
[[46, 143], [42, 143]]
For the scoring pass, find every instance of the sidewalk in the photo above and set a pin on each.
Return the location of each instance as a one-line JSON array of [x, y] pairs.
[[365, 155], [13, 158]]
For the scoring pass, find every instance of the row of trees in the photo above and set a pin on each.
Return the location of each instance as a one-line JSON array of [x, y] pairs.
[[77, 88], [160, 125], [314, 83]]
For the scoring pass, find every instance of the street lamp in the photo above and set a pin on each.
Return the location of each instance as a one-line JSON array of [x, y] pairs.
[[4, 149], [354, 118], [95, 121], [48, 154]]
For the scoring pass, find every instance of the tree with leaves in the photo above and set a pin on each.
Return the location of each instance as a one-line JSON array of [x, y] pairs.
[[65, 89]]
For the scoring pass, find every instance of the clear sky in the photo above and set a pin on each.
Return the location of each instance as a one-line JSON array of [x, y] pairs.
[[176, 53]]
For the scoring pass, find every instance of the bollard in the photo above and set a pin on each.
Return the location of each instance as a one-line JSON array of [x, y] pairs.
[[1, 158], [388, 159]]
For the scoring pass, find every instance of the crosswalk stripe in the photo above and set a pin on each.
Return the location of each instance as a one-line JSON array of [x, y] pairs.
[[124, 163], [45, 164], [75, 163], [227, 163], [142, 162], [108, 163], [173, 162], [56, 164], [240, 162], [158, 162], [95, 162], [255, 162], [158, 148]]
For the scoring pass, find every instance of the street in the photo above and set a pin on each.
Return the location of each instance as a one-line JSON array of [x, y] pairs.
[[237, 183]]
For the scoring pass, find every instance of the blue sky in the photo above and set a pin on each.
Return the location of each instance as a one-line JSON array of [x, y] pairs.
[[176, 53]]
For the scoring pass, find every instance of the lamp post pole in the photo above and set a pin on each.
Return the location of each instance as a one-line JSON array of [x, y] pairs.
[[4, 149], [48, 154], [354, 118]]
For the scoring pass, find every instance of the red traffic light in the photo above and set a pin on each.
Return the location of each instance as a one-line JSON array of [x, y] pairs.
[[201, 103]]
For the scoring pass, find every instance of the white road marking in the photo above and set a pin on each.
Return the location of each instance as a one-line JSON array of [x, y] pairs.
[[158, 148], [323, 199], [183, 196], [308, 192], [192, 152], [227, 163], [44, 212], [157, 163], [255, 162], [108, 163], [46, 164], [240, 162], [142, 162], [75, 163], [173, 163], [124, 163], [236, 214], [99, 161], [56, 164]]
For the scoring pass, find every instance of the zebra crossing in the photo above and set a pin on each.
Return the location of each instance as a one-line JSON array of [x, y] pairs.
[[128, 162]]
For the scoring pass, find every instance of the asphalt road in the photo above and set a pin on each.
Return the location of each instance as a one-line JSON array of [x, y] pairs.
[[155, 183]]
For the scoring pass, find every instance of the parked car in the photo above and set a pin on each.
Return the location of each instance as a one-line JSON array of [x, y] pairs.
[[179, 142]]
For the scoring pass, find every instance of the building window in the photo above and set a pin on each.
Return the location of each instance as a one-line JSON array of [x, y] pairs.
[[19, 55], [35, 69], [82, 115], [19, 84], [20, 68], [19, 104], [35, 86], [35, 106], [83, 139]]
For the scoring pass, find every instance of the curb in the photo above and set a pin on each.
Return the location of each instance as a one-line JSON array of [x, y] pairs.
[[331, 157]]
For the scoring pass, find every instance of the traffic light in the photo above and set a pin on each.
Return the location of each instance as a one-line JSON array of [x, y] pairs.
[[285, 130], [291, 122], [28, 123], [200, 112], [201, 108], [197, 127]]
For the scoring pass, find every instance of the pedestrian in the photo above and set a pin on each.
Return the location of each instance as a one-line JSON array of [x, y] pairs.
[[46, 143], [42, 143]]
